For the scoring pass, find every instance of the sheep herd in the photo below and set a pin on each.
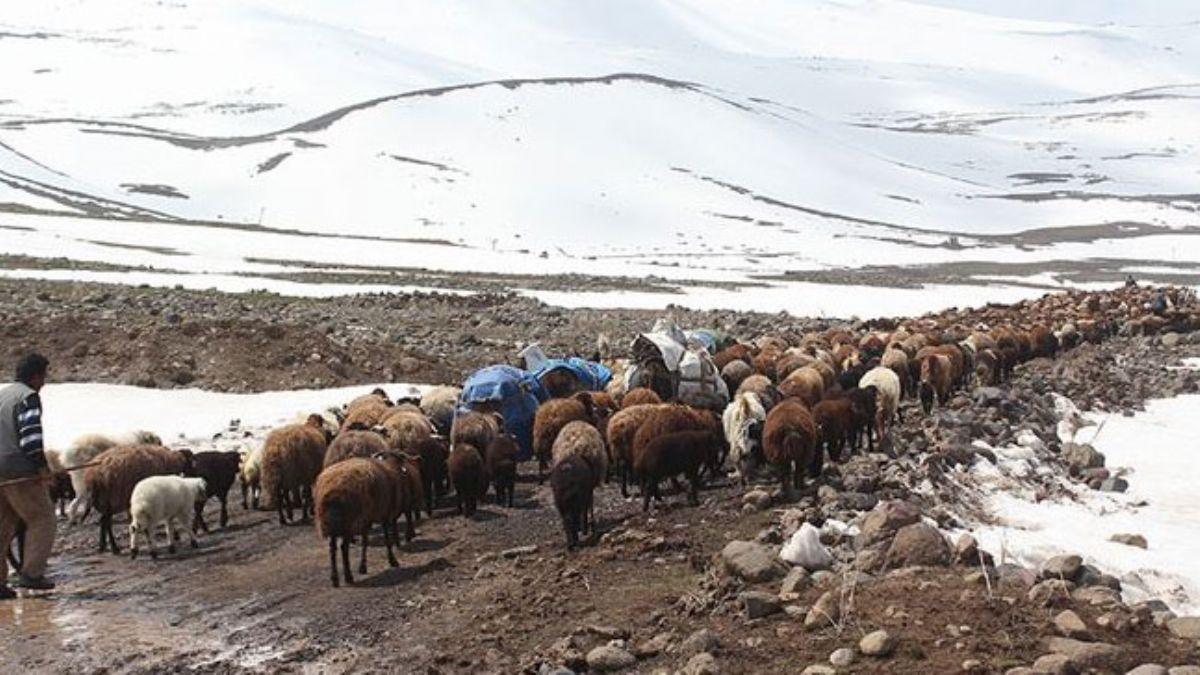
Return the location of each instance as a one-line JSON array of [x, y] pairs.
[[795, 400]]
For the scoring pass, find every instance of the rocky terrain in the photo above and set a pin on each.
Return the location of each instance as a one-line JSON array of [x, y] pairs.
[[894, 586]]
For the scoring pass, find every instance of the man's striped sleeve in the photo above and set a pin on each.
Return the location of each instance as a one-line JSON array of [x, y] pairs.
[[29, 429]]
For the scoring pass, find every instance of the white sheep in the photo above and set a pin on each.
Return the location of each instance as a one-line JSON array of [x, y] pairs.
[[250, 475], [85, 449], [168, 501], [738, 420], [887, 386]]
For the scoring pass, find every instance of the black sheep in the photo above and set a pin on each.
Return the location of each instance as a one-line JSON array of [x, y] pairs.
[[434, 473], [501, 464], [572, 481], [219, 471]]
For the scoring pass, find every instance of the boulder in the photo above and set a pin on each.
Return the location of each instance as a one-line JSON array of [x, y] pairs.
[[918, 544], [609, 658], [1114, 484], [1186, 627], [827, 611], [1149, 669], [842, 658], [879, 644], [1054, 664], [1130, 540], [796, 581], [1062, 567], [759, 604], [1097, 596], [1081, 456], [1050, 593], [703, 640], [701, 664], [1084, 655], [819, 669], [1068, 624], [882, 523], [751, 561]]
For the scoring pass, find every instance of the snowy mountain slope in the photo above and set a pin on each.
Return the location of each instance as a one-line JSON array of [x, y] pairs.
[[729, 138]]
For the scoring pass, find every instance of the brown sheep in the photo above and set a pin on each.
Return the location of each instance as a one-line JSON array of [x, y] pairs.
[[468, 474], [735, 372], [551, 417], [674, 418], [571, 481], [434, 473], [367, 413], [350, 497], [761, 385], [581, 439], [640, 396], [789, 441], [835, 422], [805, 384], [500, 462], [790, 362], [110, 482], [475, 428], [669, 455], [406, 428], [621, 430], [292, 456], [411, 494], [896, 359], [438, 405], [987, 367], [353, 444], [935, 380], [560, 383], [734, 352]]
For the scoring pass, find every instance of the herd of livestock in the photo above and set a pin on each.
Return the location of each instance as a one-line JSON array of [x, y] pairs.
[[684, 407]]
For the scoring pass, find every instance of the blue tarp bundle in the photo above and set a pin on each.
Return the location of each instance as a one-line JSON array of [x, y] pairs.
[[518, 392], [592, 376]]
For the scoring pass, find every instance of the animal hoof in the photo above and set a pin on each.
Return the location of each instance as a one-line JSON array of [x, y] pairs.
[[171, 549]]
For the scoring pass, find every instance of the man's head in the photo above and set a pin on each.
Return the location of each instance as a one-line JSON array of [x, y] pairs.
[[31, 370]]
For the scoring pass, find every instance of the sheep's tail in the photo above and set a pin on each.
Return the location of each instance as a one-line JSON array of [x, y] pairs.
[[332, 514]]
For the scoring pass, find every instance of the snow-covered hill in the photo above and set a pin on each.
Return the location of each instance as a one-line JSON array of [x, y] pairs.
[[695, 139]]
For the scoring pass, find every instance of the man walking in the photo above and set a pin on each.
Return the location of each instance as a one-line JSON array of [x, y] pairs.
[[26, 497]]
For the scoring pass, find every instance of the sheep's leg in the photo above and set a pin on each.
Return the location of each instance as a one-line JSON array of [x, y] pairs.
[[429, 497], [646, 492], [112, 537], [568, 521], [346, 560], [198, 521], [171, 536], [362, 558], [410, 532], [103, 540], [333, 571], [624, 480], [191, 531], [694, 488], [133, 544], [306, 504], [390, 537], [224, 511], [282, 503]]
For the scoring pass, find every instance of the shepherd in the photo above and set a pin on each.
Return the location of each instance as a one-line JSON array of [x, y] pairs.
[[24, 474]]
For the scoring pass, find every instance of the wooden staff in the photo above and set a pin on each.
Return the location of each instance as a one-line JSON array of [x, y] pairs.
[[26, 479]]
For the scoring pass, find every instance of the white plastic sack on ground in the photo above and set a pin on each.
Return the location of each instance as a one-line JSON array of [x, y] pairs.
[[805, 549]]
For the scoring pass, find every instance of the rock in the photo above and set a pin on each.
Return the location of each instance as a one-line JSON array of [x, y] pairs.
[[1148, 669], [857, 501], [879, 643], [1186, 627], [819, 669], [1169, 339], [759, 499], [1184, 670], [518, 551], [1085, 655], [654, 646], [918, 544], [1091, 575], [607, 659], [703, 640], [1081, 456], [1130, 540], [966, 550], [989, 396], [973, 666], [1062, 567], [795, 582], [841, 658], [750, 561], [759, 604], [884, 521], [1054, 664], [1114, 484], [1050, 592], [701, 664], [805, 549], [827, 611], [608, 632], [1068, 624], [1097, 596]]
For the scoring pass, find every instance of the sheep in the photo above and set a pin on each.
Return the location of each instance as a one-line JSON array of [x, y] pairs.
[[219, 470], [743, 420], [438, 405], [110, 483], [987, 367], [573, 483], [672, 418], [404, 428], [249, 475], [467, 473], [580, 439], [896, 359], [735, 372], [164, 501], [550, 419], [292, 456], [434, 474], [761, 385], [501, 466], [377, 396], [835, 422], [410, 488], [621, 430], [805, 384], [789, 441], [732, 353], [475, 428], [365, 412], [350, 497], [640, 396], [353, 444], [935, 381], [61, 490], [887, 387], [560, 383], [669, 455], [87, 448]]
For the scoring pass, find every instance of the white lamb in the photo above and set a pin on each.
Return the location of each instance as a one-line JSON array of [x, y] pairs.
[[250, 476], [168, 501], [887, 385], [739, 420], [87, 448]]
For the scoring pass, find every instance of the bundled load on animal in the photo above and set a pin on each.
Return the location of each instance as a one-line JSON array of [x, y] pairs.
[[674, 367], [563, 377], [513, 393]]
